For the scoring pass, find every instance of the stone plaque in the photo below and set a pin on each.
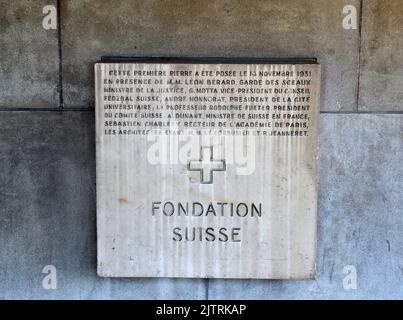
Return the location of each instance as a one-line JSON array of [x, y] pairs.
[[207, 170]]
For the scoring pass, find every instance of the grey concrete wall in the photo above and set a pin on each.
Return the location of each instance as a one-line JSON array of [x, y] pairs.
[[47, 152]]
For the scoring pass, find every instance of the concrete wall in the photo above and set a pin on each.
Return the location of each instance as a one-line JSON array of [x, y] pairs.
[[47, 153]]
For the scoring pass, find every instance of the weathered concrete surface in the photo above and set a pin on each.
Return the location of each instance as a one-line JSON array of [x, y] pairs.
[[47, 196], [29, 70], [382, 56], [360, 215], [219, 28]]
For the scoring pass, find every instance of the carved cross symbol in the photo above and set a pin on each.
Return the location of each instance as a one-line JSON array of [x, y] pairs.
[[206, 165]]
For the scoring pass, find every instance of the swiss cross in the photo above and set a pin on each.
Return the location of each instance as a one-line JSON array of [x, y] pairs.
[[206, 165]]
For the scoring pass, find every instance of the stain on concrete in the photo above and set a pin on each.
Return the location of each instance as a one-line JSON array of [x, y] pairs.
[[382, 56], [29, 69]]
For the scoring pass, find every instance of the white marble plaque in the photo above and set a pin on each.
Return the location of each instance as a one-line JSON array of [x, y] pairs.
[[207, 170]]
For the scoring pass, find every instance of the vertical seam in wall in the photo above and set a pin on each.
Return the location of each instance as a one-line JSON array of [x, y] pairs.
[[207, 289], [59, 42], [359, 55]]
